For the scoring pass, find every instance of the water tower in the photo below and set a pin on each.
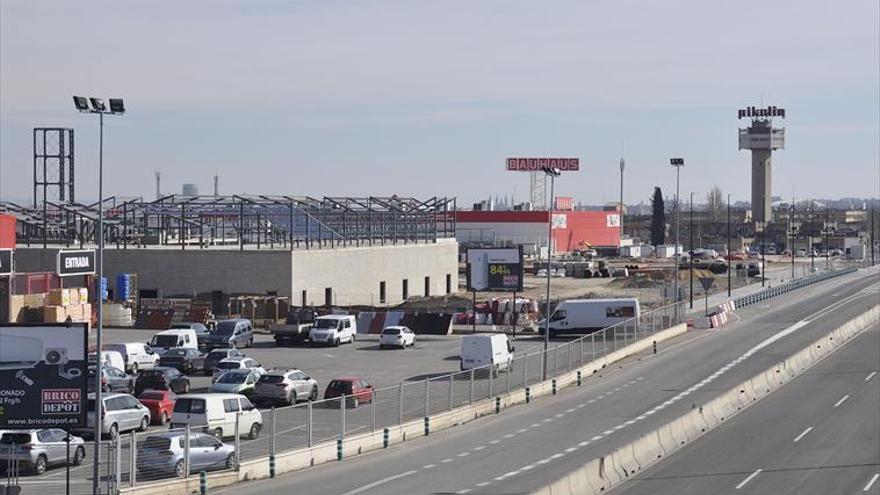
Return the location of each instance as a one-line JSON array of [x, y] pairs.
[[761, 138]]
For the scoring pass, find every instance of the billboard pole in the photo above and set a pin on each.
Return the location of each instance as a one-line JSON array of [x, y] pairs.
[[553, 173]]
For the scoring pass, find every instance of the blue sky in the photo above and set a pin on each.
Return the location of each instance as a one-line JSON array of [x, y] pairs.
[[428, 98]]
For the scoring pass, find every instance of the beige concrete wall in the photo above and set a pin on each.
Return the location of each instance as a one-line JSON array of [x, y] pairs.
[[354, 274]]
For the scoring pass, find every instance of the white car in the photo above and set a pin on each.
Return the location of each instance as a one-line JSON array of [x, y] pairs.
[[237, 363], [397, 336], [333, 330]]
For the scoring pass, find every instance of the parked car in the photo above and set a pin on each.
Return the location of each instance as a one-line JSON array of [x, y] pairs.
[[119, 413], [163, 454], [296, 327], [216, 413], [161, 378], [200, 329], [356, 390], [160, 403], [241, 381], [397, 336], [113, 358], [217, 355], [137, 356], [333, 330], [235, 364], [285, 385], [801, 252], [37, 450], [186, 360], [178, 337], [112, 380], [231, 333]]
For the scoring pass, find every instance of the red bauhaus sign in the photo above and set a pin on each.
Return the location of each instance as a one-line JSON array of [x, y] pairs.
[[537, 164]]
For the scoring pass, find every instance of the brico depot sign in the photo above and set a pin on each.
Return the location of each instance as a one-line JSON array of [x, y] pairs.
[[43, 376], [538, 164], [78, 262]]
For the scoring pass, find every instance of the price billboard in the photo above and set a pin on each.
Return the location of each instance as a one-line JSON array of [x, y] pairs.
[[495, 269]]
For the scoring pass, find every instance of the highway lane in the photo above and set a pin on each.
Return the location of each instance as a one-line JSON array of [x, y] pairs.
[[528, 446], [820, 434]]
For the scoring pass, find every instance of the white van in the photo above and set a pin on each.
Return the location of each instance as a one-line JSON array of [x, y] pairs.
[[333, 330], [176, 337], [137, 356], [215, 414], [486, 349], [584, 316], [111, 357]]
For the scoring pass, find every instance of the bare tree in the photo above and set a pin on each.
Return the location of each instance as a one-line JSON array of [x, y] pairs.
[[715, 204]]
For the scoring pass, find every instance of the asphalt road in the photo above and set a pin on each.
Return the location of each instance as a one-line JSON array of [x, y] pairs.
[[819, 435], [529, 446]]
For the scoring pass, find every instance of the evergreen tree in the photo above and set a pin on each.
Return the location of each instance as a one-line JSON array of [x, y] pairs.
[[658, 218]]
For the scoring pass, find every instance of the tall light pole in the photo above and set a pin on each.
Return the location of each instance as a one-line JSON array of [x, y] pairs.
[[622, 166], [825, 241], [791, 236], [691, 252], [116, 108], [677, 163], [812, 232], [553, 174], [728, 245]]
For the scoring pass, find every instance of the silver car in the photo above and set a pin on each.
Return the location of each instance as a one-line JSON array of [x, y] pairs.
[[121, 412], [36, 450], [163, 453], [285, 385]]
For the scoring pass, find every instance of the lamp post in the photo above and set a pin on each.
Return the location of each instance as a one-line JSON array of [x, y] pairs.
[[677, 163], [691, 253], [825, 241], [791, 236], [728, 245], [812, 251], [622, 166], [116, 108], [553, 174], [763, 253]]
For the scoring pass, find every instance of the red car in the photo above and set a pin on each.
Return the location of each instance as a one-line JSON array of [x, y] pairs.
[[356, 390], [160, 403]]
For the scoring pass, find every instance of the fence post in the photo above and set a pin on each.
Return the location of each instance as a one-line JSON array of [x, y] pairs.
[[237, 441], [471, 396], [451, 392], [309, 428], [186, 448], [614, 336], [427, 395], [132, 459], [582, 350], [569, 356], [593, 342], [556, 360], [272, 437], [400, 404], [342, 407], [491, 369], [118, 462], [525, 370], [509, 371], [373, 400]]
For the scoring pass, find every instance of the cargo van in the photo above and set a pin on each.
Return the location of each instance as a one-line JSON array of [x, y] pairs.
[[215, 414], [486, 349], [137, 356], [585, 316], [333, 330], [178, 337], [111, 357]]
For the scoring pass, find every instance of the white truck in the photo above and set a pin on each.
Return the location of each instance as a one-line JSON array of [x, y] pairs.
[[480, 350], [585, 316]]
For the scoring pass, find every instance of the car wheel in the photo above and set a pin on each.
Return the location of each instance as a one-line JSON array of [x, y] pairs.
[[254, 432], [353, 337], [130, 389], [230, 461], [134, 369], [292, 398], [113, 432], [336, 343], [217, 433], [78, 456], [186, 388], [40, 465], [180, 469], [314, 395], [145, 422], [355, 402], [163, 418]]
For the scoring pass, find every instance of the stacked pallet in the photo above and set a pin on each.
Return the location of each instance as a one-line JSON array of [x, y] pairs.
[[117, 315], [70, 304]]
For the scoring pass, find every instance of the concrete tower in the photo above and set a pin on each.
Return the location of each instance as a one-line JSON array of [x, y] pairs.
[[761, 138]]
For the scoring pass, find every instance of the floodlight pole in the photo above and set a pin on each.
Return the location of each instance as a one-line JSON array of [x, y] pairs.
[[691, 255], [728, 246], [677, 163], [100, 310], [552, 174]]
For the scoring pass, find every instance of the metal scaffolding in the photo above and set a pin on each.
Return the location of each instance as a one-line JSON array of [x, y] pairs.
[[246, 221]]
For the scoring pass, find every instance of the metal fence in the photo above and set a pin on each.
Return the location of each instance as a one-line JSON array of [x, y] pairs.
[[787, 287], [311, 423]]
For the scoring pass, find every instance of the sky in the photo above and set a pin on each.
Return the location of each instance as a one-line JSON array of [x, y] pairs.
[[427, 98]]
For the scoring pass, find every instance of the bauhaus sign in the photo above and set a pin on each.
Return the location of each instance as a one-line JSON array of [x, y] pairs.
[[538, 164], [79, 262]]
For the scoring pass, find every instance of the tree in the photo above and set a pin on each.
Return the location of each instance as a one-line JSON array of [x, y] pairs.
[[658, 218], [715, 203]]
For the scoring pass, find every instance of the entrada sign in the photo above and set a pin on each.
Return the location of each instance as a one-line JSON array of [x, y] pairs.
[[79, 262]]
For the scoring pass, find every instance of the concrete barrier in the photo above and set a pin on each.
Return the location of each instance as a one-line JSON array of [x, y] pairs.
[[605, 472]]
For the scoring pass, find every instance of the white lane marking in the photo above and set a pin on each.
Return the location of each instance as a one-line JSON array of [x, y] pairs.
[[534, 425], [597, 437], [555, 456], [619, 427], [521, 430], [466, 490], [481, 447], [640, 417], [380, 482], [464, 454], [509, 435], [841, 401], [588, 402], [581, 406], [556, 416], [485, 483], [871, 482], [429, 466], [446, 460], [803, 434], [493, 442], [743, 482], [543, 461], [584, 443], [570, 449], [567, 410], [547, 420], [607, 432], [526, 468], [868, 378]]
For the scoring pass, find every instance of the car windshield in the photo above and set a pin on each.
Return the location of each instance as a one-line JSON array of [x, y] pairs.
[[325, 323], [271, 379], [230, 377], [224, 328], [164, 341], [391, 331], [341, 386]]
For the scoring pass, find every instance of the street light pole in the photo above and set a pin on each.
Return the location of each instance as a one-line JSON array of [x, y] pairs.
[[812, 232], [691, 251], [677, 163], [622, 166], [791, 236], [763, 253], [728, 245], [825, 241], [553, 174]]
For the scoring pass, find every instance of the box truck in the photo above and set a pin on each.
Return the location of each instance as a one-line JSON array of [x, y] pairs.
[[585, 316]]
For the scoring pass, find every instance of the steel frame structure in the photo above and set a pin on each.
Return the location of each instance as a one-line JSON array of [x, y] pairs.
[[252, 221]]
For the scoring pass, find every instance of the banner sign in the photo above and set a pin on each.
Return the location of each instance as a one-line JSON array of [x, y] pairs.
[[43, 376], [495, 269], [79, 262]]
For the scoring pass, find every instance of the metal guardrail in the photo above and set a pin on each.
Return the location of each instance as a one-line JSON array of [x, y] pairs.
[[787, 287]]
